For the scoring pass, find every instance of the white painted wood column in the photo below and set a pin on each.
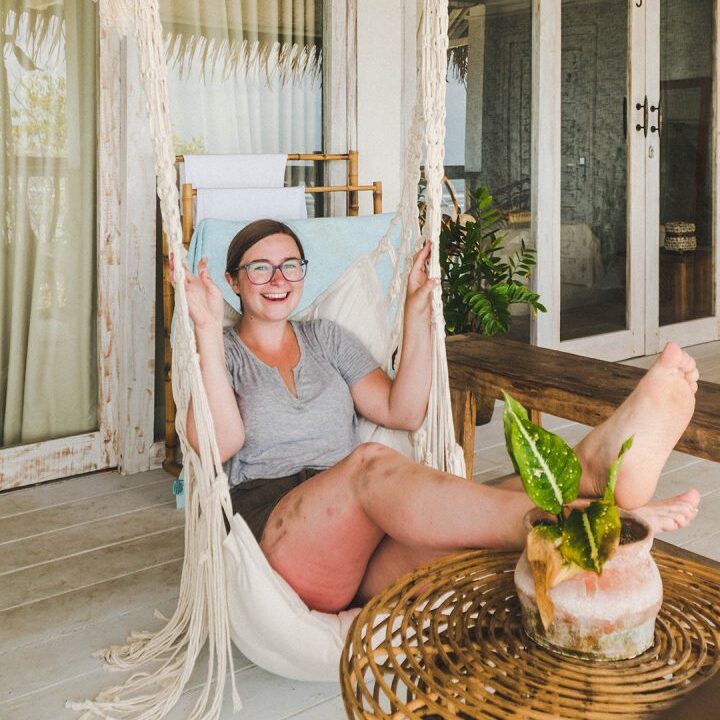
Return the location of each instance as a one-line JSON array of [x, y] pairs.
[[134, 327], [644, 290], [545, 170], [380, 27], [340, 91], [109, 205], [409, 69]]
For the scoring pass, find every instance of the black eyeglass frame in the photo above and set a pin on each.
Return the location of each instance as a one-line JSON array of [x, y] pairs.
[[303, 264]]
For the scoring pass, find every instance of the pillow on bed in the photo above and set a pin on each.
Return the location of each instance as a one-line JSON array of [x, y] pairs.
[[331, 245]]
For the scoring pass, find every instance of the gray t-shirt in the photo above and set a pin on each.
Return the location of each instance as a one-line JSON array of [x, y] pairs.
[[284, 433]]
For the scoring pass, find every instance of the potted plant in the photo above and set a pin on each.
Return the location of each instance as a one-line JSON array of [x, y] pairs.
[[480, 280], [586, 581]]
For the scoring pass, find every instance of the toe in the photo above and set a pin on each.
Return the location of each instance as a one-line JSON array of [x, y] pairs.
[[671, 356], [692, 497], [688, 362]]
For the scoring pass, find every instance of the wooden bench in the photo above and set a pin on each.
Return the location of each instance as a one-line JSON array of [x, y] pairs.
[[569, 386]]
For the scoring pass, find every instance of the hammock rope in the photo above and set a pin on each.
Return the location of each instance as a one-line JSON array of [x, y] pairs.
[[201, 615]]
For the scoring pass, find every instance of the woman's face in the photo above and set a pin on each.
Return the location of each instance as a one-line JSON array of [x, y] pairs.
[[277, 298]]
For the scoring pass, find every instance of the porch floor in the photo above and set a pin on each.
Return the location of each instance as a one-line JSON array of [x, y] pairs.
[[86, 560]]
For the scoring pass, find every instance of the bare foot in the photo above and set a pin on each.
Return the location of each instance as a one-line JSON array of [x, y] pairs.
[[656, 413], [672, 513]]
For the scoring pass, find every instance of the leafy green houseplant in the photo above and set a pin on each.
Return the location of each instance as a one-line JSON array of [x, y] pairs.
[[576, 603], [479, 280], [550, 472]]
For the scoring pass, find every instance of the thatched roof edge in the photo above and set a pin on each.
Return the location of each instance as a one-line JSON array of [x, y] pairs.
[[221, 57]]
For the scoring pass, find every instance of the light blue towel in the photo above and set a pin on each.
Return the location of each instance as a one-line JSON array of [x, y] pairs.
[[331, 246]]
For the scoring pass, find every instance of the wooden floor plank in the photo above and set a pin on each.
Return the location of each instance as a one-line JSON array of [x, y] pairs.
[[704, 476], [48, 703], [708, 545], [77, 539], [64, 614], [59, 492], [62, 576], [332, 709], [25, 525], [264, 696], [35, 667]]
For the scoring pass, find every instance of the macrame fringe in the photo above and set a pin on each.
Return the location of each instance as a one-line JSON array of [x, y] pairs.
[[201, 616]]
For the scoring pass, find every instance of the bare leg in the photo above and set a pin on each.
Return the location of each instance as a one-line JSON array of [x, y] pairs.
[[321, 536], [327, 537], [656, 413], [390, 561]]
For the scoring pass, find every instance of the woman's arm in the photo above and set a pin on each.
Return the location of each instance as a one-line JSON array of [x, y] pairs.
[[402, 403], [205, 304]]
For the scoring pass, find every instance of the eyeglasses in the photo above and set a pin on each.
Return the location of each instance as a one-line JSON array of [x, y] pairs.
[[261, 272]]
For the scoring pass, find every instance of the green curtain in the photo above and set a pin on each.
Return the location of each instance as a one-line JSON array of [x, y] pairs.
[[48, 325]]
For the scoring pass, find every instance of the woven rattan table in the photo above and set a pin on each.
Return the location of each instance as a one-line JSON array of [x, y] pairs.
[[446, 642]]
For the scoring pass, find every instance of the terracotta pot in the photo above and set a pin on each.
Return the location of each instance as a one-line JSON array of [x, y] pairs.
[[610, 616]]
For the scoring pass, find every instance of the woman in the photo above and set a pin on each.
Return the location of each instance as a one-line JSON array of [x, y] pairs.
[[341, 520]]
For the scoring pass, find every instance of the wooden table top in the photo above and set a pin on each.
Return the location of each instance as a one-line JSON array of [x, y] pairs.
[[570, 386], [448, 648], [704, 703]]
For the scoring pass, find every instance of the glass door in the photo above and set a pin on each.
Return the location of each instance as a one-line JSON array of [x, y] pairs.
[[52, 421], [681, 210], [601, 230], [638, 254], [594, 169]]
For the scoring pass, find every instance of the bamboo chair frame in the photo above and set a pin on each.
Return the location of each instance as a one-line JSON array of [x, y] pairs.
[[187, 193]]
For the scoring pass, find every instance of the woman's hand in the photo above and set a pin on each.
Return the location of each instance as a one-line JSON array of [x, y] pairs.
[[420, 287], [205, 301]]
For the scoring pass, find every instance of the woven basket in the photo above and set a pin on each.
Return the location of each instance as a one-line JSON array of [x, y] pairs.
[[680, 236], [446, 642]]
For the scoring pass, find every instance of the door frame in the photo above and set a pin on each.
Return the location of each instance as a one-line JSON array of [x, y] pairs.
[[125, 290]]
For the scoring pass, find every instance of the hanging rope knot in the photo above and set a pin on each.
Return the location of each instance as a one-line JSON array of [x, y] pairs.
[[219, 486]]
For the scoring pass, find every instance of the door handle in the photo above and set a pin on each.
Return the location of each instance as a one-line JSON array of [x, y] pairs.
[[644, 107], [658, 109]]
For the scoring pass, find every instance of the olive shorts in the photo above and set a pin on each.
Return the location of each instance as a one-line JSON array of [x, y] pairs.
[[254, 500]]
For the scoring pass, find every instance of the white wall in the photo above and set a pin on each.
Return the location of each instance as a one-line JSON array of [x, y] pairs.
[[385, 89]]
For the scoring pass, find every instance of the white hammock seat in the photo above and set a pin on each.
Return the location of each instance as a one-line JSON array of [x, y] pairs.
[[223, 574], [349, 282]]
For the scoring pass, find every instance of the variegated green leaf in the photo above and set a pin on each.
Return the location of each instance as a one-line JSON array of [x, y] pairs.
[[614, 470], [550, 533], [590, 536], [548, 467], [509, 419]]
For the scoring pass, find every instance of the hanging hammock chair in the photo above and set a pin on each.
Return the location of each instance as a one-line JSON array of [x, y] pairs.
[[228, 591]]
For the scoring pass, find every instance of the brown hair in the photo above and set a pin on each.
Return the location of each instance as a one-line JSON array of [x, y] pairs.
[[252, 234]]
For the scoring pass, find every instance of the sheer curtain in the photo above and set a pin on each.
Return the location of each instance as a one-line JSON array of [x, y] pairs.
[[245, 74], [48, 366]]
